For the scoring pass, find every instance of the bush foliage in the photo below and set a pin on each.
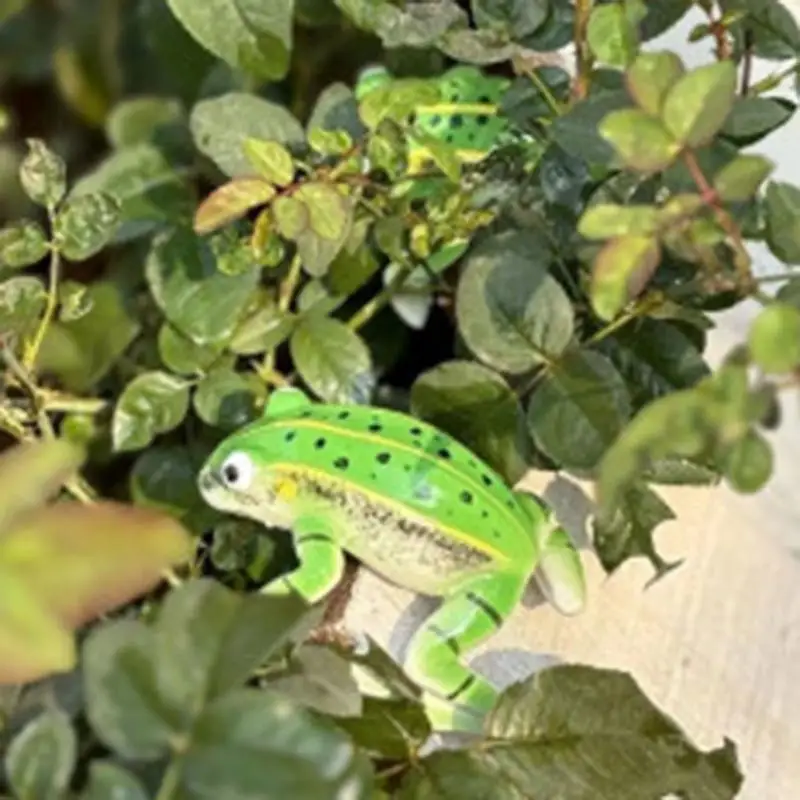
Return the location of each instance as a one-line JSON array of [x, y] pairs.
[[197, 210]]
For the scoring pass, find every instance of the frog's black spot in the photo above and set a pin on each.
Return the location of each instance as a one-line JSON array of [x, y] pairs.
[[343, 414], [376, 427], [485, 514], [407, 467], [472, 463], [482, 119], [510, 503], [319, 444], [466, 497], [449, 138], [383, 458], [484, 98], [341, 463], [416, 431], [436, 119], [289, 436], [412, 118], [444, 453], [487, 481], [457, 121], [471, 137], [373, 476], [306, 414], [454, 97]]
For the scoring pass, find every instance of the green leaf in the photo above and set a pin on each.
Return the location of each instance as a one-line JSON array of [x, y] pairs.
[[139, 120], [252, 37], [230, 202], [650, 78], [333, 360], [221, 125], [328, 210], [741, 178], [774, 338], [578, 410], [264, 328], [608, 220], [22, 243], [151, 192], [85, 224], [335, 111], [621, 271], [181, 355], [577, 732], [151, 404], [697, 106], [292, 216], [271, 160], [74, 300], [22, 300], [329, 143], [41, 758], [251, 743], [443, 154], [641, 141], [474, 404], [519, 18], [782, 211], [752, 118], [612, 35], [511, 312], [316, 252], [227, 399], [748, 463], [200, 301], [108, 781], [82, 351], [43, 174], [628, 532]]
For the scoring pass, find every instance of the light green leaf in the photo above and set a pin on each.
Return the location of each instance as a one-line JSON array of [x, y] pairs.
[[621, 271], [741, 178], [43, 174], [697, 106], [181, 355], [85, 224], [231, 201], [774, 338], [108, 781], [271, 160], [151, 404], [332, 360], [264, 327], [327, 209], [292, 216], [651, 76], [748, 463], [641, 141], [782, 211], [22, 243], [612, 36], [511, 312], [252, 36], [608, 220], [578, 410], [139, 120], [221, 125]]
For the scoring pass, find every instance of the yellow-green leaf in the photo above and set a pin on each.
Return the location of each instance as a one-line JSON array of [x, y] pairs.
[[741, 178], [292, 216], [327, 209], [606, 220], [641, 141], [774, 338], [272, 160], [650, 77]]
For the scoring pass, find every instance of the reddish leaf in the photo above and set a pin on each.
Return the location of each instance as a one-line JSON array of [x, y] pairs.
[[231, 201]]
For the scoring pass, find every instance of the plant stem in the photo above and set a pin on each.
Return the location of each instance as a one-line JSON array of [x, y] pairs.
[[170, 782], [583, 56], [373, 306], [32, 351], [545, 92], [285, 295]]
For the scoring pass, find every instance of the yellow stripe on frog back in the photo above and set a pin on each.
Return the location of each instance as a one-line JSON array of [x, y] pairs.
[[477, 109]]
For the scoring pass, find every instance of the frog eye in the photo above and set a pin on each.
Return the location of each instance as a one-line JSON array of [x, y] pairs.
[[237, 471]]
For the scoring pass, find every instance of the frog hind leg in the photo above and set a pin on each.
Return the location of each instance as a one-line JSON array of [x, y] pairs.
[[456, 697], [321, 560], [559, 573]]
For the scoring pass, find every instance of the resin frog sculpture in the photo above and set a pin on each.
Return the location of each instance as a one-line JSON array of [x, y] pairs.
[[414, 505]]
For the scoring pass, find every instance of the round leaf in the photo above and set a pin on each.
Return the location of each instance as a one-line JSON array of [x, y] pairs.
[[85, 224], [578, 410], [698, 104], [774, 338], [477, 406], [22, 243], [152, 403], [511, 312], [332, 360], [748, 463], [227, 399]]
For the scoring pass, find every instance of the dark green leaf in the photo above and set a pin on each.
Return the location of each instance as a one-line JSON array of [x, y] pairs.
[[250, 744], [628, 532], [511, 312], [22, 243], [252, 37], [740, 179], [518, 18], [227, 399], [474, 404], [265, 327], [181, 355], [220, 126], [774, 338], [697, 106], [152, 193], [661, 16], [578, 410], [85, 224], [151, 404], [336, 109], [138, 120], [752, 118], [332, 360], [199, 300], [782, 212], [642, 143], [43, 174], [40, 760], [108, 781]]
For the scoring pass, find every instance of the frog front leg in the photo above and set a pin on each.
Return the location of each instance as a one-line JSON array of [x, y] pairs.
[[469, 615], [321, 561]]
